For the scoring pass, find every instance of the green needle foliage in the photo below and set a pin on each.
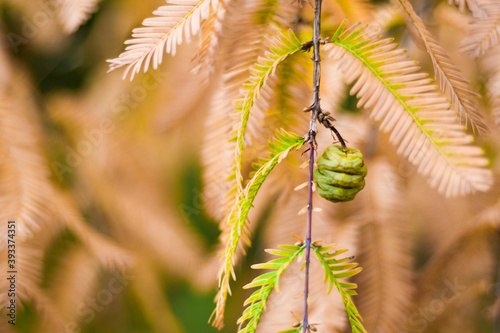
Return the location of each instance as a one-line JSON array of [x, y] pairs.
[[336, 269], [280, 147], [282, 47], [256, 303]]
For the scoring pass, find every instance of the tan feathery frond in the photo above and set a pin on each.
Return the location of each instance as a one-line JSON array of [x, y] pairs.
[[211, 32], [24, 186], [184, 95], [483, 33], [387, 16], [99, 171], [491, 67], [217, 152], [178, 20], [477, 7], [25, 189], [414, 112], [125, 208], [74, 281], [386, 284], [73, 13], [450, 78], [106, 251], [29, 264], [333, 90], [247, 32]]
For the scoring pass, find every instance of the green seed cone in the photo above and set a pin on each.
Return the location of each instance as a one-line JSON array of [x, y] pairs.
[[340, 174]]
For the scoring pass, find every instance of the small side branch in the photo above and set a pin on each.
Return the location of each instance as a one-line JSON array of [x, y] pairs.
[[327, 121]]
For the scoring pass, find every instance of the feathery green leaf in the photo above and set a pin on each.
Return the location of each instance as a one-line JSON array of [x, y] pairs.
[[415, 113], [256, 303], [280, 148], [282, 47], [335, 271]]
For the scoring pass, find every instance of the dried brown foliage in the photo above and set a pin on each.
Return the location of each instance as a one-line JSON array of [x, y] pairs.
[[106, 163]]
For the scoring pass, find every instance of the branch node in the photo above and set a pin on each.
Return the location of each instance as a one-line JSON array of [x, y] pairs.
[[306, 46]]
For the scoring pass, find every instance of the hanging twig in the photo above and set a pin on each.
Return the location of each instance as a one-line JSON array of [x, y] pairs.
[[316, 109], [327, 121]]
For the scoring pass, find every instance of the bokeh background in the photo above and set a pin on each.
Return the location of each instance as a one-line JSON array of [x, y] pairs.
[[117, 194]]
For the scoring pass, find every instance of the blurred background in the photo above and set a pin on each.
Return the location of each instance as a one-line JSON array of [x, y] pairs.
[[118, 187]]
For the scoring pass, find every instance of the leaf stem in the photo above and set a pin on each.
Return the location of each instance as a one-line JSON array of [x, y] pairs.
[[316, 109]]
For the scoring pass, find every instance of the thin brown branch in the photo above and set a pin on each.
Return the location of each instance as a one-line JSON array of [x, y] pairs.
[[316, 109]]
